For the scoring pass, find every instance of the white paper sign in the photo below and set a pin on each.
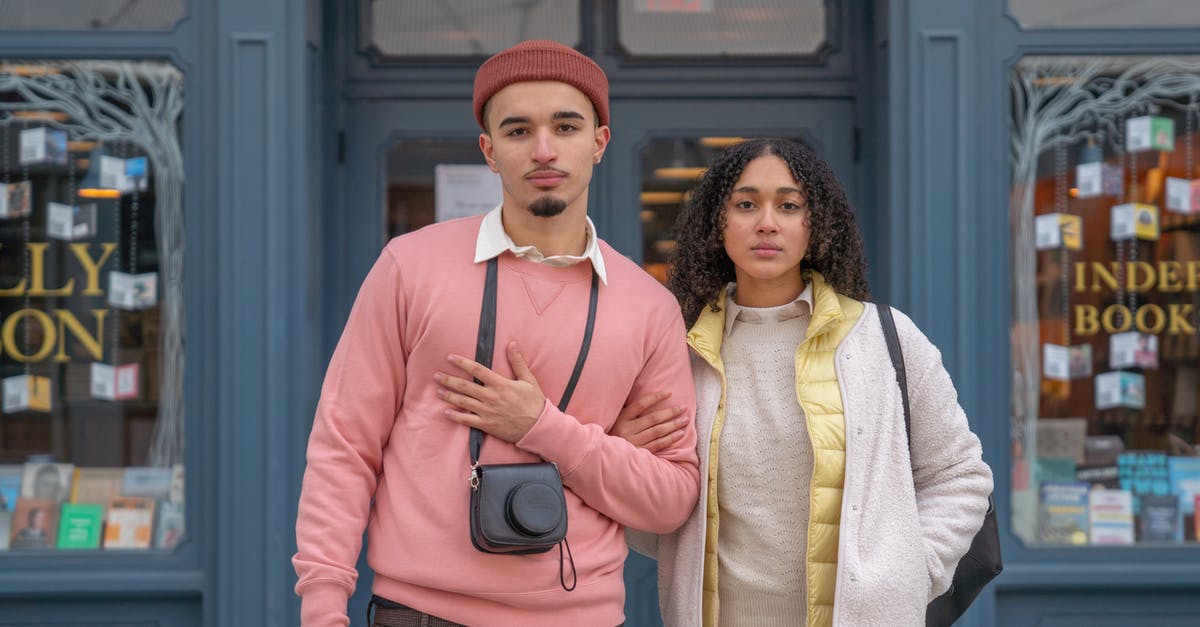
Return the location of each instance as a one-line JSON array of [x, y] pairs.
[[465, 190]]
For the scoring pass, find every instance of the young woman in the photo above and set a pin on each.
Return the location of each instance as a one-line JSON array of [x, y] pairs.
[[812, 511]]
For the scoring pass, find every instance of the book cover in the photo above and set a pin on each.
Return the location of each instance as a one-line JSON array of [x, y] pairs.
[[1106, 476], [1160, 519], [129, 522], [11, 478], [1102, 450], [169, 530], [5, 529], [1143, 472], [1110, 516], [147, 481], [48, 480], [97, 486], [1185, 481], [1054, 470], [177, 484], [1063, 514], [34, 524], [80, 525], [1062, 437]]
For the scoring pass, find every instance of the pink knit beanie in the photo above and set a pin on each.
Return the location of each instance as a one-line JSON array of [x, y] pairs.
[[541, 60]]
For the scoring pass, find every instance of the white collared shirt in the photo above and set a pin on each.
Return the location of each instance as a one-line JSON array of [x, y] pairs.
[[493, 241], [802, 306]]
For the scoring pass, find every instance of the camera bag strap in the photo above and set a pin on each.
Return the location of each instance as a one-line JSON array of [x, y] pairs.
[[484, 349]]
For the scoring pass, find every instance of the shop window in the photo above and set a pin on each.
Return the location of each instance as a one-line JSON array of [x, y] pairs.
[[91, 306], [90, 14], [1105, 209], [727, 27], [455, 28], [1093, 14]]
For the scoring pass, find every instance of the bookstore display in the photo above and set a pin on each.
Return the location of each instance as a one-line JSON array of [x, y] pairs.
[[91, 418], [1106, 301]]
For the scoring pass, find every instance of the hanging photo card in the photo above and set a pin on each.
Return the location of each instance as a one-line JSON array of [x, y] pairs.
[[115, 383], [1058, 230], [70, 222], [16, 199], [132, 291], [1132, 350], [26, 392], [1134, 221], [43, 145], [1098, 179], [1149, 132], [1110, 514], [1063, 363], [1080, 357], [1120, 389], [123, 175], [1056, 362], [1183, 195]]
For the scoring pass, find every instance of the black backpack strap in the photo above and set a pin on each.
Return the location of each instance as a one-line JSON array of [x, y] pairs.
[[893, 343]]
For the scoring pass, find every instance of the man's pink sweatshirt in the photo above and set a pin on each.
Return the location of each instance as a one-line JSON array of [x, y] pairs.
[[380, 432]]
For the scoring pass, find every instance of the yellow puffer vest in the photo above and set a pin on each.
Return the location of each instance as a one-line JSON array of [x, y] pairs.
[[821, 399]]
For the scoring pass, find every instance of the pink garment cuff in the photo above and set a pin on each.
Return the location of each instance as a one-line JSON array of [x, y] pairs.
[[559, 438], [323, 604]]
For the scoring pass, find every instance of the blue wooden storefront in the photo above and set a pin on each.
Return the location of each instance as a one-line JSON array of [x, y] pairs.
[[285, 123]]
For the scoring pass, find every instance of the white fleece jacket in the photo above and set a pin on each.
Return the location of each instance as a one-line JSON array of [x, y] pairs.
[[905, 522]]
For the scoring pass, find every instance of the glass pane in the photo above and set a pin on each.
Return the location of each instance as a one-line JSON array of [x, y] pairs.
[[1105, 209], [430, 180], [468, 27], [91, 315], [709, 27], [90, 14], [1093, 14]]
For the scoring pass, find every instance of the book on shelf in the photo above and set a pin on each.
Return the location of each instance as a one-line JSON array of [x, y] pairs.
[[151, 481], [1063, 513], [34, 524], [170, 526], [1062, 437], [6, 517], [1053, 469], [129, 522], [80, 525], [1161, 519], [1185, 481], [1143, 472], [1110, 516], [48, 480], [97, 485], [11, 477]]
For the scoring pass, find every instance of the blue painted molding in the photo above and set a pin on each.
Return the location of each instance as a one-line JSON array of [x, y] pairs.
[[268, 297]]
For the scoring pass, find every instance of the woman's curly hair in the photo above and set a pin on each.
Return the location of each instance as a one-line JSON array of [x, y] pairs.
[[701, 268]]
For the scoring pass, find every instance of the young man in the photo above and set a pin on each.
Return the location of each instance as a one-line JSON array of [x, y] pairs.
[[389, 446]]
